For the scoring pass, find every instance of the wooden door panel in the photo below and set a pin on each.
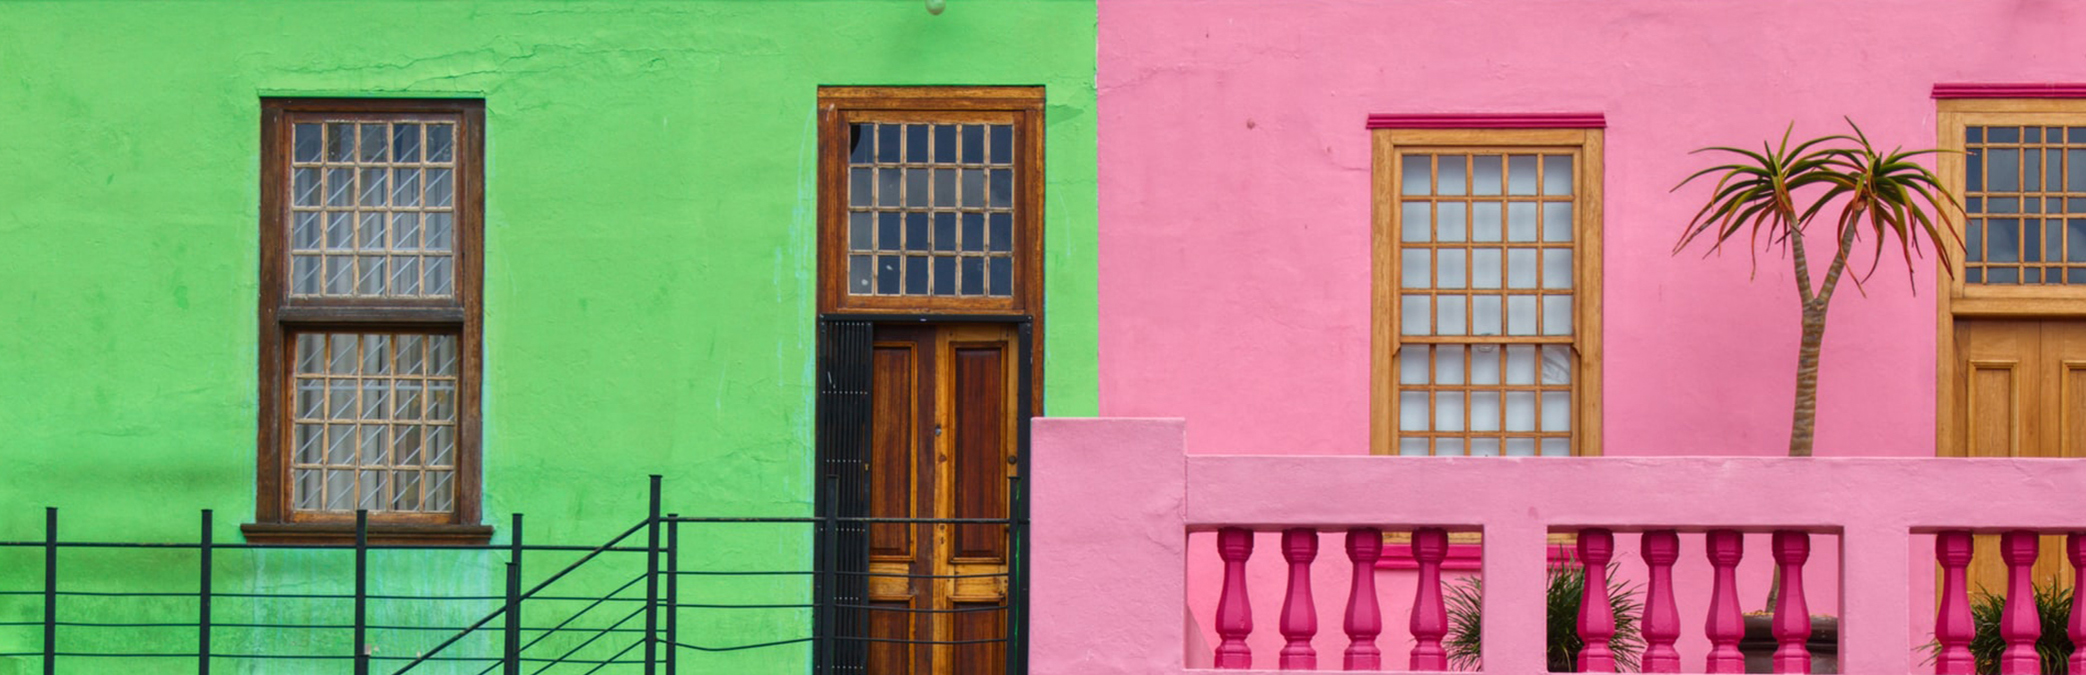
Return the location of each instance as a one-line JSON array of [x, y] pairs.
[[2023, 383], [1994, 418], [980, 448], [894, 407]]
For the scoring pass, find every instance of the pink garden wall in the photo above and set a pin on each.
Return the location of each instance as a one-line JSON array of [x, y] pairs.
[[1234, 196]]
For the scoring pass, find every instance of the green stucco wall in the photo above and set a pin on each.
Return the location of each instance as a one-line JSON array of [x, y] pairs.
[[649, 243]]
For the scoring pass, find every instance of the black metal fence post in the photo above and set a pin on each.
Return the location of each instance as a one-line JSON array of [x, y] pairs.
[[652, 582], [203, 598], [673, 592], [828, 525], [361, 592], [511, 636], [50, 590], [1018, 577]]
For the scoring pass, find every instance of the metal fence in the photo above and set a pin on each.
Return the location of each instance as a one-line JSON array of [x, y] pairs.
[[572, 624]]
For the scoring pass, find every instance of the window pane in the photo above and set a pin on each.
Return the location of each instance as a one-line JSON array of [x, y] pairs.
[[381, 182], [363, 403]]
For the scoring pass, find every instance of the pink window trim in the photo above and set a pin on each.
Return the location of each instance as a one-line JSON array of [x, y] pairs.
[[1488, 121], [2010, 90], [1461, 558]]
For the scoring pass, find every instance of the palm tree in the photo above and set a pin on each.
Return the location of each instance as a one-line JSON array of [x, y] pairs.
[[1780, 192]]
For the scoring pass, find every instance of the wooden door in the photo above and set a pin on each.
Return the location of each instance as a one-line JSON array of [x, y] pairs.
[[942, 446], [2022, 384]]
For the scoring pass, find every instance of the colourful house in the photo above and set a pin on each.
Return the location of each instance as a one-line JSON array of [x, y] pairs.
[[450, 263]]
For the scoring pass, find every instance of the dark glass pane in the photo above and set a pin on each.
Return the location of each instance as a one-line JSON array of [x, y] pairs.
[[2004, 169], [2076, 182], [2054, 275], [916, 232], [2077, 134], [2055, 134], [2003, 205], [859, 273], [2003, 275], [2032, 275], [944, 275], [1002, 188], [1973, 134], [887, 274], [1002, 144], [973, 144], [916, 274], [2003, 241], [945, 231], [375, 144], [2053, 235], [973, 276], [1974, 205], [945, 143], [340, 142], [1974, 241], [1974, 170], [2003, 134], [1001, 274], [439, 148], [861, 187], [1002, 232], [916, 143], [405, 143], [1974, 275], [860, 143], [2077, 252], [2053, 180], [2075, 205], [2032, 240], [974, 231], [308, 143], [916, 186], [887, 231], [889, 183], [861, 231], [2032, 135], [2031, 169], [2077, 275], [888, 142]]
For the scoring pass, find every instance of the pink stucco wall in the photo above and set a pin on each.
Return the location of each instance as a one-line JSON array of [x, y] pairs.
[[1234, 198]]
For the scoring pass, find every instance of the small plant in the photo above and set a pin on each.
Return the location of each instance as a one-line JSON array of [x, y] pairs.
[[2053, 606], [1565, 584]]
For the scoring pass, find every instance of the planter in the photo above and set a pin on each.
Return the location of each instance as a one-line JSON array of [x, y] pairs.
[[1759, 644]]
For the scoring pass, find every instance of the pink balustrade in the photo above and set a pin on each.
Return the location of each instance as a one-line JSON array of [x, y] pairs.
[[1110, 553]]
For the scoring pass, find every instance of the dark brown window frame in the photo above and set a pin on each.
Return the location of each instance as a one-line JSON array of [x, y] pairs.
[[281, 316], [840, 107]]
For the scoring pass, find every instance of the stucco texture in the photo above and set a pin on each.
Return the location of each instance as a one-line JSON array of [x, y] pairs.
[[649, 301]]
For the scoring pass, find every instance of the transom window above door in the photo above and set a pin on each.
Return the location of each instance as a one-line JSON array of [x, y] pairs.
[[2025, 204], [1487, 288]]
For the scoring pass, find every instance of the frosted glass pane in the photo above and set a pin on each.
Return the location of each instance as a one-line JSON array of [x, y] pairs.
[[1414, 313], [1451, 175], [1521, 447], [1485, 268], [1521, 268], [1557, 221], [1449, 221], [1521, 175], [1485, 175], [1557, 174], [1484, 364], [1557, 447], [1412, 364], [1521, 315], [1448, 364], [1448, 447], [1419, 171], [1412, 411], [1413, 222], [1557, 364], [1521, 411], [1414, 269], [1521, 221], [1449, 318], [1484, 411], [1412, 447], [1521, 364], [1484, 447], [1448, 411], [1485, 314], [1557, 268], [1451, 272], [1485, 221], [1557, 411], [1557, 315]]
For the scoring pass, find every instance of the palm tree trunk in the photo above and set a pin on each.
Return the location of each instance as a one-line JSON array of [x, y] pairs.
[[1804, 421]]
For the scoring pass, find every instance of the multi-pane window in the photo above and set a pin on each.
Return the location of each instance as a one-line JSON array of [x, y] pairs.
[[2024, 201], [930, 199], [1486, 253], [370, 314]]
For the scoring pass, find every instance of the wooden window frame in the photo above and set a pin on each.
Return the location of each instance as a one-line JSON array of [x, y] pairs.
[[1393, 134], [841, 106], [275, 521], [1958, 107]]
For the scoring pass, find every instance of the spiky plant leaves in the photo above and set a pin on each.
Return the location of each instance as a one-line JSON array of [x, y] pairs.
[[1564, 586]]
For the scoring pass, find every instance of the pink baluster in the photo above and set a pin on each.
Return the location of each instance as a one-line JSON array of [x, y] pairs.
[[1430, 617], [2019, 624], [1596, 617], [1661, 628], [1953, 626], [1299, 615], [1234, 610], [1725, 626], [1364, 623], [2075, 549], [1792, 625]]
